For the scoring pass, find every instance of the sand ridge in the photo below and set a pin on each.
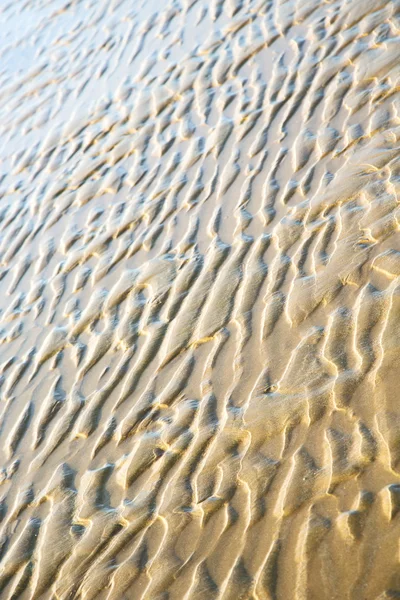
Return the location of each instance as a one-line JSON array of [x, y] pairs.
[[199, 324]]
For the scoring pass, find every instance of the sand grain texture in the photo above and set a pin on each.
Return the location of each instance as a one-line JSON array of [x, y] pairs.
[[200, 300]]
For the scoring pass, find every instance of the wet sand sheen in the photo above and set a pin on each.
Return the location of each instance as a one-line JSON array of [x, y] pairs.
[[199, 336]]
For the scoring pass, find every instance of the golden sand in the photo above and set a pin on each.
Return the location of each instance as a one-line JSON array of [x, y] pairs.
[[200, 300]]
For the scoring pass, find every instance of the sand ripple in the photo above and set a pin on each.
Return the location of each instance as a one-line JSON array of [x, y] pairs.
[[200, 308]]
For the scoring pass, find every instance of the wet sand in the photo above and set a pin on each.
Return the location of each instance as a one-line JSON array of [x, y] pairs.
[[200, 300]]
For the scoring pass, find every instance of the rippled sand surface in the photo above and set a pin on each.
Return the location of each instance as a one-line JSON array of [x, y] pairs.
[[200, 299]]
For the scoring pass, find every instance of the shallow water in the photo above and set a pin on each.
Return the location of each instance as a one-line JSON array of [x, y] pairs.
[[200, 307]]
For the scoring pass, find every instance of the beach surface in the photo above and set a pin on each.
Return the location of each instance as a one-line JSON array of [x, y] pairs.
[[199, 300]]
